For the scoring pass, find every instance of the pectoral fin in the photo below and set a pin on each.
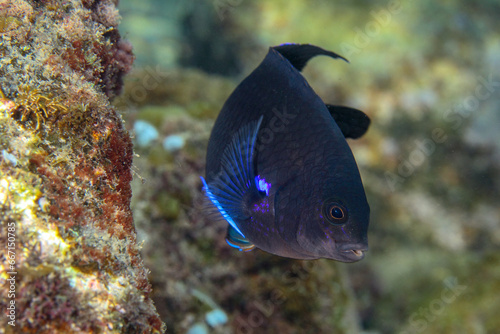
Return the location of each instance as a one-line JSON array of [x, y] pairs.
[[236, 178]]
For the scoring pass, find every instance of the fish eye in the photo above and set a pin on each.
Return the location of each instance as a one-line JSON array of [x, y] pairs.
[[335, 212]]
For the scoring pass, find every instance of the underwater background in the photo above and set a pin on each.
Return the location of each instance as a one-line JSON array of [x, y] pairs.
[[425, 72]]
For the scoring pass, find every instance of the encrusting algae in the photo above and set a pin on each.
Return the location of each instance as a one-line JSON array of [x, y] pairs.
[[70, 260]]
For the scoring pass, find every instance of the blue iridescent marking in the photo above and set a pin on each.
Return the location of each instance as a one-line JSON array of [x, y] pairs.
[[262, 207], [219, 207], [262, 185], [240, 248], [233, 245]]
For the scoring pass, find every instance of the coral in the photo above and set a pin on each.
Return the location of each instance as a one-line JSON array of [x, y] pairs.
[[65, 174]]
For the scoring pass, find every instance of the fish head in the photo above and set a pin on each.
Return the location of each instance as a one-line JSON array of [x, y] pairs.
[[327, 219]]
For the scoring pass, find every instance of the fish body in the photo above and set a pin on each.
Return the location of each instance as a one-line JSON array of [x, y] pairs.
[[279, 169]]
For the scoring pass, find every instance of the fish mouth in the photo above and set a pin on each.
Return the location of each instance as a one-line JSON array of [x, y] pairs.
[[357, 252], [353, 252]]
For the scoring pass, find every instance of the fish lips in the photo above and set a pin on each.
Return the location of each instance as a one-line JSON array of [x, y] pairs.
[[344, 252], [352, 252]]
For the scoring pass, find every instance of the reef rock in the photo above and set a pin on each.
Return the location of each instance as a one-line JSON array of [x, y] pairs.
[[70, 259]]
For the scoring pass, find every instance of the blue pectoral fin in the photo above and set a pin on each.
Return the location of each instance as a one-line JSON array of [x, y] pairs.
[[219, 207], [234, 239], [236, 177]]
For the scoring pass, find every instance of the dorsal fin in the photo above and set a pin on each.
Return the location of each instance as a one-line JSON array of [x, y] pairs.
[[352, 122], [299, 54]]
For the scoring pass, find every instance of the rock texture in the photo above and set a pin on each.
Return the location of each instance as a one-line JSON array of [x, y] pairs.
[[66, 229]]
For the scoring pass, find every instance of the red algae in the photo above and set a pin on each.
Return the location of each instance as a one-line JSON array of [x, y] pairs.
[[65, 174]]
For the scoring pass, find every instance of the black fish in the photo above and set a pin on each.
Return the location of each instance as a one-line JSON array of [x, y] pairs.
[[279, 169]]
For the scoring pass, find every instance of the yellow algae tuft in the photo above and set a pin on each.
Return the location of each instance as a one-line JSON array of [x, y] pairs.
[[8, 23], [34, 108]]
